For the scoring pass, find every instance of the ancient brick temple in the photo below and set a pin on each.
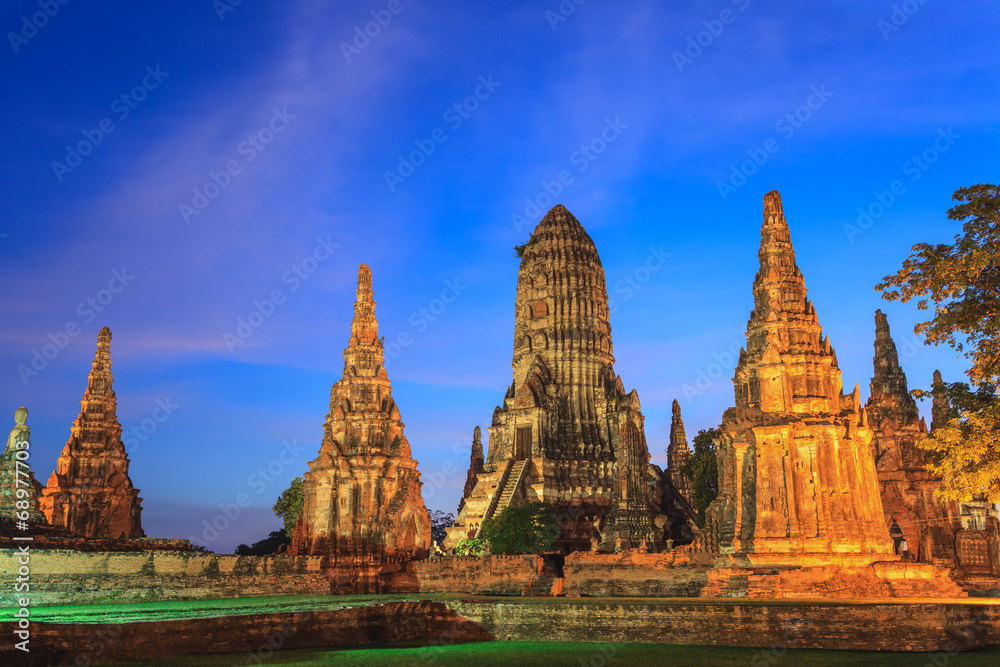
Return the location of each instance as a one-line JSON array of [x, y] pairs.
[[796, 474], [677, 453], [477, 461], [90, 493], [362, 499], [568, 433], [911, 509]]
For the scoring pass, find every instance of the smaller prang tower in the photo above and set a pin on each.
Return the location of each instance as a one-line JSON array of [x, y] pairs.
[[362, 498], [796, 473], [678, 452], [90, 492]]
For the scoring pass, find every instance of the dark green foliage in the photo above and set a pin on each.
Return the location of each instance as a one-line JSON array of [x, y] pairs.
[[269, 545], [963, 282], [521, 529], [472, 546], [519, 249], [439, 522], [288, 506], [702, 468]]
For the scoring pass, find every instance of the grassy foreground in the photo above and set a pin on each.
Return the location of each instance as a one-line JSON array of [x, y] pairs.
[[559, 654]]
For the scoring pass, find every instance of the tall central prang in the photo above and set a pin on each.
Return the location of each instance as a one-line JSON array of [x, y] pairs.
[[567, 433]]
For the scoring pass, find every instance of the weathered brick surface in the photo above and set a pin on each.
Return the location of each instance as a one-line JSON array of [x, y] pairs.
[[870, 627], [634, 574], [488, 575], [71, 577], [253, 636]]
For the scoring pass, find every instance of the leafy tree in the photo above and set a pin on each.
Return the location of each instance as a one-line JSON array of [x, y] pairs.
[[440, 521], [963, 282], [521, 529], [269, 545], [702, 469], [288, 506], [473, 546]]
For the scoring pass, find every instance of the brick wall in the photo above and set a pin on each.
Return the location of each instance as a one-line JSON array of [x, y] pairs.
[[486, 575], [73, 577], [635, 574]]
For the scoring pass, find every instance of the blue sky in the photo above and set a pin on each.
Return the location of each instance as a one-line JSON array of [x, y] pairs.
[[277, 123]]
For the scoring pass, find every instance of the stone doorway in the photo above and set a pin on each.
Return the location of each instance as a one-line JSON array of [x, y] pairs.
[[522, 444]]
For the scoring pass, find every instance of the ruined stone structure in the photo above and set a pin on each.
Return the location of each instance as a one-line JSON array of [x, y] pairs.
[[568, 433], [796, 474], [362, 503], [16, 475], [965, 536], [907, 488], [90, 492], [476, 467], [677, 453]]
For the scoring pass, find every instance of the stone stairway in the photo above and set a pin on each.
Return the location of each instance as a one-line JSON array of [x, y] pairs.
[[510, 488]]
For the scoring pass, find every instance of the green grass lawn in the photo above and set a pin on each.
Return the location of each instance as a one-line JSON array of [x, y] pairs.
[[559, 654]]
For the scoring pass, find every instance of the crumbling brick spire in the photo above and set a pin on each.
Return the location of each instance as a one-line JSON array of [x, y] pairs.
[[928, 523], [888, 386], [678, 452], [940, 406], [476, 467], [362, 494], [90, 492]]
